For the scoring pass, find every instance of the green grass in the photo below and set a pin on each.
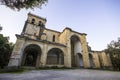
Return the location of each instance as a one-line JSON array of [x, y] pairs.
[[53, 67], [20, 70], [24, 69]]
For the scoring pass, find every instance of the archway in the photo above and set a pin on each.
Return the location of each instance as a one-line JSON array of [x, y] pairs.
[[75, 48], [31, 55], [100, 61], [91, 60], [55, 56], [79, 60]]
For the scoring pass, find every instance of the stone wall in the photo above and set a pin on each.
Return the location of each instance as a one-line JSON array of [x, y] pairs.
[[101, 60], [54, 39]]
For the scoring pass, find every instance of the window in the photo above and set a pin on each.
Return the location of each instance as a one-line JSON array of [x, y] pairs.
[[33, 21], [40, 23], [53, 38]]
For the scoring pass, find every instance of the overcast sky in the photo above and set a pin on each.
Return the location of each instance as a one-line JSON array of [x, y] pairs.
[[99, 19]]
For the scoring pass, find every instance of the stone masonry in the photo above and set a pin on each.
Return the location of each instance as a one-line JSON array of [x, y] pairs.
[[38, 46]]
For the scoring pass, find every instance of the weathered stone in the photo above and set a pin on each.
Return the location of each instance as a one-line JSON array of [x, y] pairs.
[[36, 43]]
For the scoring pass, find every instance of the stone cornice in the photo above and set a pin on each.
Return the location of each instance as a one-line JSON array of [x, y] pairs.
[[37, 16], [74, 31], [44, 41]]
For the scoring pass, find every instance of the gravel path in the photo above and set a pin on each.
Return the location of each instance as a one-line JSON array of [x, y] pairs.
[[77, 74]]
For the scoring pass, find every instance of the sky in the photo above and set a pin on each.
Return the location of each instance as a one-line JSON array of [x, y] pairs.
[[99, 19]]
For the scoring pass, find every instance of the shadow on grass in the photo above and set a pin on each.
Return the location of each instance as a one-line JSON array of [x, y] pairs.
[[15, 70], [20, 70]]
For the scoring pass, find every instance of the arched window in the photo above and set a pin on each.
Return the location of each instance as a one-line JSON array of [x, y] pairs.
[[33, 21], [40, 23], [53, 38]]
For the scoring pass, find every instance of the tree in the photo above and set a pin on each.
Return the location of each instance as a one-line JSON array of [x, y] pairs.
[[114, 51], [20, 4], [5, 50], [0, 27]]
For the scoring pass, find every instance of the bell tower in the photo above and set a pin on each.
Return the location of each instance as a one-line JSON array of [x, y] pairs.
[[34, 26]]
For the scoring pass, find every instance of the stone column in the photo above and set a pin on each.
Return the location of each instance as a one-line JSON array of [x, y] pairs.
[[105, 59], [85, 52], [96, 60], [43, 55], [68, 54], [17, 53]]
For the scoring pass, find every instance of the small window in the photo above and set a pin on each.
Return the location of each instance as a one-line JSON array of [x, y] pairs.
[[53, 38], [33, 21], [40, 23]]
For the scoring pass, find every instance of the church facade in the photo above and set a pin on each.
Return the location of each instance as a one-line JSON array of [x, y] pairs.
[[38, 46]]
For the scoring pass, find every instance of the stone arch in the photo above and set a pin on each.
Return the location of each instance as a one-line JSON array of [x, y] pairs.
[[91, 60], [31, 55], [79, 60], [75, 48], [55, 56], [73, 37]]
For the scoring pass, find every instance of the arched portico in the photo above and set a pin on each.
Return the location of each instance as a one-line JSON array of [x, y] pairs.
[[91, 60], [31, 55], [79, 60], [55, 56], [75, 48]]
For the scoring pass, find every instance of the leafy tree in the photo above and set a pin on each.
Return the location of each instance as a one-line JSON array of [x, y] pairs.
[[5, 50], [19, 4], [114, 51], [0, 27]]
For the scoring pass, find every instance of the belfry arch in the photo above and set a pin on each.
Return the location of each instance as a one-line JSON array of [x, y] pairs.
[[75, 48], [31, 56]]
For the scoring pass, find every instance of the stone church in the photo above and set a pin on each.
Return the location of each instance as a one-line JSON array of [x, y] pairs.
[[38, 46]]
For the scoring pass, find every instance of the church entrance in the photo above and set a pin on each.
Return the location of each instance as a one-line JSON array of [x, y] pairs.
[[31, 56]]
